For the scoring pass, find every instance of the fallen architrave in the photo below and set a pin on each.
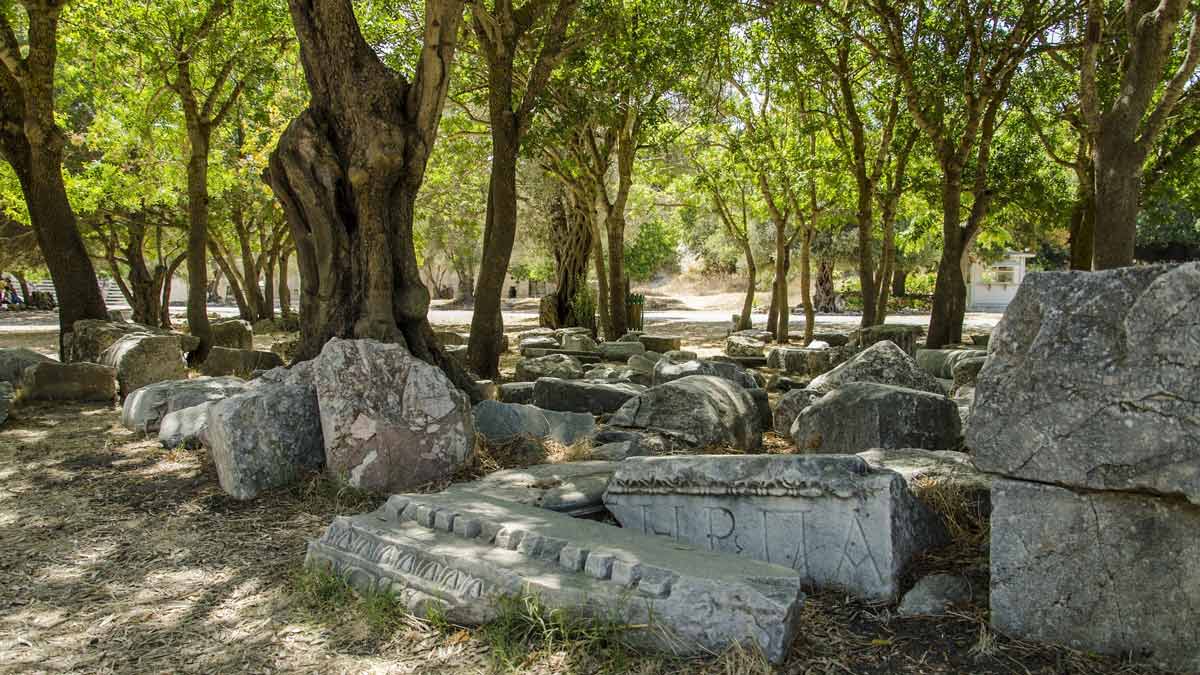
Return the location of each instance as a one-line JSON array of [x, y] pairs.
[[466, 551]]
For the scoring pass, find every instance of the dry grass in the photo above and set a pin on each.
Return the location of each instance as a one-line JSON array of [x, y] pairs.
[[962, 511], [120, 557]]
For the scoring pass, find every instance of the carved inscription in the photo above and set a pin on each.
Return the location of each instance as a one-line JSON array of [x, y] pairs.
[[392, 558]]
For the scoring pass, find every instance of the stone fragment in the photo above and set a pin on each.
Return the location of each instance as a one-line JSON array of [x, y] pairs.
[[391, 421], [661, 343], [762, 403], [449, 338], [685, 600], [904, 337], [555, 365], [286, 348], [679, 356], [516, 392], [597, 398], [487, 390], [232, 333], [14, 361], [864, 415], [741, 345], [502, 422], [91, 337], [789, 408], [267, 437], [7, 394], [1092, 382], [883, 363], [801, 360], [614, 452], [934, 594], [642, 363], [756, 334], [184, 428], [574, 488], [936, 469], [941, 362], [537, 342], [1102, 572], [145, 408], [668, 370], [141, 359], [966, 371], [240, 362], [620, 351], [699, 411], [831, 518], [579, 342], [54, 381]]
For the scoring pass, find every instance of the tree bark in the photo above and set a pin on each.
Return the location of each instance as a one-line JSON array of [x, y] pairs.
[[165, 305], [197, 246], [810, 313], [572, 240], [1118, 191], [950, 289], [285, 291], [347, 172], [899, 281], [1083, 229], [745, 320], [32, 143], [825, 297]]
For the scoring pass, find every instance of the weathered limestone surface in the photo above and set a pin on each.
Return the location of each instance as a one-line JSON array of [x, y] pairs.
[[934, 594], [597, 398], [941, 362], [904, 337], [141, 359], [391, 421], [743, 345], [1104, 571], [266, 437], [464, 551], [91, 337], [184, 428], [232, 333], [502, 422], [574, 488], [145, 408], [516, 392], [661, 343], [789, 408], [579, 342], [7, 393], [864, 415], [14, 361], [554, 365], [54, 381], [802, 360], [882, 363], [700, 411], [670, 369], [1092, 382], [831, 518], [620, 351], [240, 362]]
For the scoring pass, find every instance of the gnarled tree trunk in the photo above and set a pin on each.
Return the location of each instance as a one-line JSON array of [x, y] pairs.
[[347, 171], [572, 240]]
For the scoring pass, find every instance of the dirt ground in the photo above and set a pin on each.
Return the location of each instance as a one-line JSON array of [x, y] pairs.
[[119, 557]]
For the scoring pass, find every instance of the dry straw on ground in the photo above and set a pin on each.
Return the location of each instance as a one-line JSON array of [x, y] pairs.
[[120, 557]]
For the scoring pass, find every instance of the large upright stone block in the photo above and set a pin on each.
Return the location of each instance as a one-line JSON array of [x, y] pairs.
[[1100, 571], [831, 517], [465, 551], [142, 359], [1092, 382], [391, 421], [864, 415]]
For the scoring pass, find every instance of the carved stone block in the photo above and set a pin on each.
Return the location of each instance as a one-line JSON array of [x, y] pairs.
[[832, 518], [464, 551]]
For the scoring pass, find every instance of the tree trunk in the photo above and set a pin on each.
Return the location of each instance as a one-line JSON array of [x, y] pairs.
[[899, 281], [810, 313], [285, 291], [245, 311], [782, 334], [572, 240], [32, 143], [773, 309], [165, 305], [887, 265], [500, 229], [866, 263], [1118, 187], [825, 297], [267, 310], [745, 321], [1083, 230], [950, 289], [347, 172], [197, 260], [618, 285], [602, 295]]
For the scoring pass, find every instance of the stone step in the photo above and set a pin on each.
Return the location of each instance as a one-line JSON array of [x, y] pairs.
[[465, 551]]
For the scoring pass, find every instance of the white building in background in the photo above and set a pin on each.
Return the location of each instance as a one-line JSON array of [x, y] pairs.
[[991, 286]]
